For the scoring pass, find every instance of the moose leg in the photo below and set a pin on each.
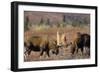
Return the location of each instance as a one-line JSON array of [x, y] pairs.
[[73, 50], [29, 51], [85, 51], [76, 51], [82, 49], [47, 51], [76, 48], [42, 51], [57, 51]]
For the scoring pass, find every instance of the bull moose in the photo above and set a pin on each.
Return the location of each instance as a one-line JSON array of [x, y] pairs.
[[39, 44], [82, 41]]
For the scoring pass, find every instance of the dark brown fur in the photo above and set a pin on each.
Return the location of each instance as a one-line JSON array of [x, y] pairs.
[[82, 40]]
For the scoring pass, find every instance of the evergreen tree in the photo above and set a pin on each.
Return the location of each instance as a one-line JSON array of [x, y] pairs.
[[48, 21], [64, 18], [41, 21], [26, 23]]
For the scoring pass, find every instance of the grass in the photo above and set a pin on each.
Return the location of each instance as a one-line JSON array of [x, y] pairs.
[[44, 31]]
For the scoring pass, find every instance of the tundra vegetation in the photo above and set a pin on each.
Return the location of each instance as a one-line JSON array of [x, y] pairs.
[[53, 36]]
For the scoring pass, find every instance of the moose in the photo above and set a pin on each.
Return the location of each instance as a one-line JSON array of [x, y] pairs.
[[82, 41], [39, 44]]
